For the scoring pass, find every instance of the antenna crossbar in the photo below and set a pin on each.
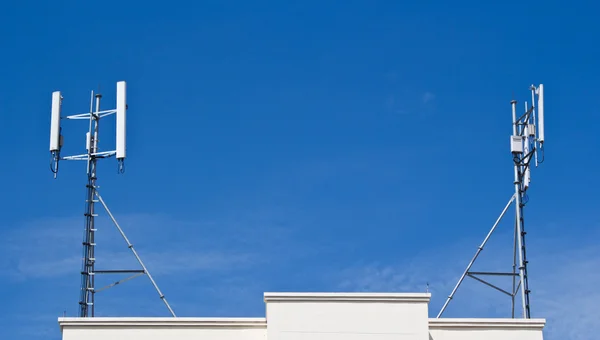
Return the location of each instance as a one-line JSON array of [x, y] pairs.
[[119, 282]]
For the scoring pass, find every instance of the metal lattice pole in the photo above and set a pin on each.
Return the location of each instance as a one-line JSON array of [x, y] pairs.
[[520, 165], [527, 148], [86, 301]]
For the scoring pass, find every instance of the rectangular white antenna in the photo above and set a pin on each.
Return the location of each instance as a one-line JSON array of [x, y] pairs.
[[55, 122], [541, 113], [526, 132], [88, 141], [121, 113]]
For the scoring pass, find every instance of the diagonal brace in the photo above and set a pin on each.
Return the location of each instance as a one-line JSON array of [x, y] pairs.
[[130, 246], [490, 285], [479, 249], [119, 282]]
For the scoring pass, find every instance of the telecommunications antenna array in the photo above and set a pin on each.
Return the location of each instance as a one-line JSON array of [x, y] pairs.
[[91, 157], [527, 149]]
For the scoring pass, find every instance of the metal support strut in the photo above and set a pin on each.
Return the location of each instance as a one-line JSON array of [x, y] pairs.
[[130, 246], [479, 249]]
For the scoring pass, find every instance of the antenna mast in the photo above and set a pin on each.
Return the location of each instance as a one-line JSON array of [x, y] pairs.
[[526, 146], [89, 271]]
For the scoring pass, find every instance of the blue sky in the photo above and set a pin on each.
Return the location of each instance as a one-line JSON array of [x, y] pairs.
[[299, 146]]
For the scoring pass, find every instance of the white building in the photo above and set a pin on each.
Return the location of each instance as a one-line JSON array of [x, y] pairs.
[[314, 316]]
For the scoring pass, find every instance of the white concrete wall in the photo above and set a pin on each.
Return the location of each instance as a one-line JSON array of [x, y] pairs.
[[314, 316], [348, 316], [488, 329], [163, 328]]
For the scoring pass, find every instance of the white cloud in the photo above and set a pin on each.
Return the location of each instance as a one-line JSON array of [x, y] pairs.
[[173, 262], [31, 269], [174, 252], [565, 291], [382, 278], [563, 278], [564, 282], [51, 248], [393, 105], [428, 97]]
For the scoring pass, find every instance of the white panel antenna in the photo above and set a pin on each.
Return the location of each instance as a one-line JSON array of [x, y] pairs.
[[55, 122], [55, 137], [526, 137], [121, 119], [91, 157], [88, 141], [540, 93]]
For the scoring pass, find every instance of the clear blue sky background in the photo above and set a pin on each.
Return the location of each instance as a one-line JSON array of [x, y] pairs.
[[299, 146]]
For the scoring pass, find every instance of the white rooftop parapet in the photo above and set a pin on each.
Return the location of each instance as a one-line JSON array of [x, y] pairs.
[[347, 316], [314, 316], [168, 328], [489, 329]]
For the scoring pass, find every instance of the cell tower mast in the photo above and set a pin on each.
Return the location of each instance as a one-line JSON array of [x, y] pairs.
[[89, 271], [526, 146]]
